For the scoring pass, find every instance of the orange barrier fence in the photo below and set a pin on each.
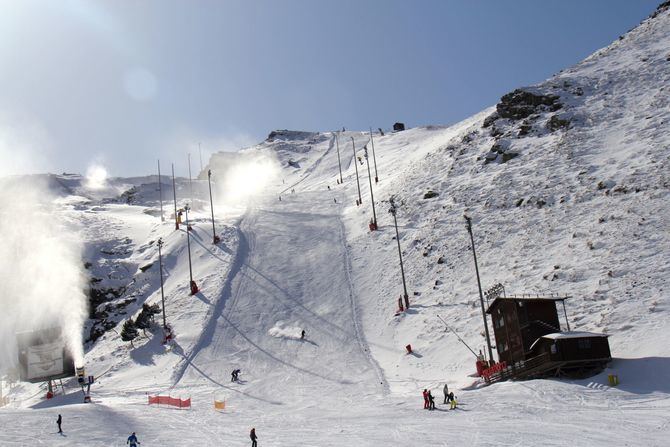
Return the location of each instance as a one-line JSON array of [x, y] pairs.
[[493, 369], [172, 401]]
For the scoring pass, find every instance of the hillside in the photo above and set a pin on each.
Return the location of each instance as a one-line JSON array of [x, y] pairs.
[[567, 183]]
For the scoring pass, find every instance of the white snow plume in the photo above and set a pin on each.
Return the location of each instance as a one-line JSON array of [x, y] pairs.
[[96, 176], [281, 330], [41, 269], [242, 175]]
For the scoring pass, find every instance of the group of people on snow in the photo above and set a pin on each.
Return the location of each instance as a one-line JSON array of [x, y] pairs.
[[429, 400]]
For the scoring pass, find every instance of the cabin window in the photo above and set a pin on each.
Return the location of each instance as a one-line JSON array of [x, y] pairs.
[[584, 344], [501, 322], [502, 347], [553, 348]]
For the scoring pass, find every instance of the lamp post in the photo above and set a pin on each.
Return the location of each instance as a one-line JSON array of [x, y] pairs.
[[393, 211], [174, 192], [194, 286], [468, 225], [358, 183], [216, 238], [372, 197], [160, 191], [339, 162], [160, 267], [374, 159]]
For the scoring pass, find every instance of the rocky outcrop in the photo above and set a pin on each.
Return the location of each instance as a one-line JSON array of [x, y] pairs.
[[521, 103]]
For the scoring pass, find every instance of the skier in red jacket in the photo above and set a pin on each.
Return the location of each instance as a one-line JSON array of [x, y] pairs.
[[425, 399]]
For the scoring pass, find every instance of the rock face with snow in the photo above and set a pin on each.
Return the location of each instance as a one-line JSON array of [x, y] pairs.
[[567, 184]]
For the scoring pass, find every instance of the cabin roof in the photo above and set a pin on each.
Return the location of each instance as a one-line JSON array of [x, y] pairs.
[[570, 334], [573, 334], [524, 298]]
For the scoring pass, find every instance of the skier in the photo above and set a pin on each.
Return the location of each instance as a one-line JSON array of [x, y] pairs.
[[58, 422], [280, 198], [334, 200], [132, 440], [328, 187], [431, 401], [446, 393], [234, 375], [453, 401], [425, 399], [302, 335], [252, 435]]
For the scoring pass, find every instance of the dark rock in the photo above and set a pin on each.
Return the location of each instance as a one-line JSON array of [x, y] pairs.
[[524, 129], [489, 120], [521, 104], [519, 203], [555, 123], [144, 268], [440, 260], [430, 194]]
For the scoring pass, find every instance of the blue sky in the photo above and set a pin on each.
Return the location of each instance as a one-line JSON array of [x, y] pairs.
[[124, 82]]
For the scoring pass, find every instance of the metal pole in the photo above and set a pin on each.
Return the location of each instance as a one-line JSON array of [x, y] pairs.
[[188, 244], [190, 182], [402, 269], [372, 197], [160, 266], [358, 183], [479, 284], [374, 159], [215, 238], [174, 192], [566, 316], [160, 191], [339, 162]]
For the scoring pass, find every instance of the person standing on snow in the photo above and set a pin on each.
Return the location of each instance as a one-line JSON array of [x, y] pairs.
[[446, 393], [252, 435], [425, 399], [58, 422], [132, 440], [302, 335], [431, 401]]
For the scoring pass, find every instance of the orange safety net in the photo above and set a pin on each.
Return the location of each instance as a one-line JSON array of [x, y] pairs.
[[172, 401]]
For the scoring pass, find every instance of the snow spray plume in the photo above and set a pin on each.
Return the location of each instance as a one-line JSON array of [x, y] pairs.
[[96, 176], [242, 175], [41, 269]]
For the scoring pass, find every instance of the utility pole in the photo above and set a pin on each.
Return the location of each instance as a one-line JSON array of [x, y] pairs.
[[193, 285], [339, 162], [358, 183], [190, 181], [374, 159], [160, 267], [174, 192], [215, 238], [468, 225], [397, 238], [372, 197], [160, 190]]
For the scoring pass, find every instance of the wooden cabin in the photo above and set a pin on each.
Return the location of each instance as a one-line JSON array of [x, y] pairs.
[[530, 342]]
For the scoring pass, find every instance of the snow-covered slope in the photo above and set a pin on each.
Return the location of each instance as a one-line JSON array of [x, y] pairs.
[[567, 185]]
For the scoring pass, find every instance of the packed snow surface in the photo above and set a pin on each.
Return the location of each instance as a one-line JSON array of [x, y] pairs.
[[567, 184]]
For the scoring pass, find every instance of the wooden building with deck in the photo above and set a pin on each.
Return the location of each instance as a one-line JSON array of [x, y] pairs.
[[530, 342]]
